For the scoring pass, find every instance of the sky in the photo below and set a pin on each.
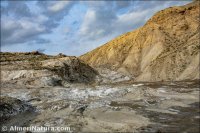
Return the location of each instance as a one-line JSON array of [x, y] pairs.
[[71, 27]]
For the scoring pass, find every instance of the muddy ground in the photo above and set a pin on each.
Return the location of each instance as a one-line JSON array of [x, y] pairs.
[[119, 107]]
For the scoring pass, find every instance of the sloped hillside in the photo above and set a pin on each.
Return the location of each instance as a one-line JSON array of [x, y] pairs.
[[34, 68], [165, 48]]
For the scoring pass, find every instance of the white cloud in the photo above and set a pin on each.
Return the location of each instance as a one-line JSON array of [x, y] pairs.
[[130, 21], [19, 31], [41, 18], [22, 24], [60, 5], [97, 23], [89, 19]]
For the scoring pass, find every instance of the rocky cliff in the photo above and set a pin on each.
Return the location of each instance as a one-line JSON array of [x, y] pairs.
[[165, 48], [34, 68]]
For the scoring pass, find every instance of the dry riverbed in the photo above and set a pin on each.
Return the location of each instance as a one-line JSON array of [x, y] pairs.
[[120, 107]]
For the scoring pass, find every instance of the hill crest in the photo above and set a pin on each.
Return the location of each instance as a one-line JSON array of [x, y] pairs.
[[165, 48]]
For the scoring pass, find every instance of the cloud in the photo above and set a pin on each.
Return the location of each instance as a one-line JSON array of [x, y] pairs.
[[129, 21], [104, 20], [55, 10], [60, 5], [19, 31], [19, 24], [16, 9], [123, 4], [97, 22]]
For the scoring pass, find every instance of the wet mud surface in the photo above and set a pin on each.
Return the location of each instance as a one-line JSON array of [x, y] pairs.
[[125, 107], [186, 120]]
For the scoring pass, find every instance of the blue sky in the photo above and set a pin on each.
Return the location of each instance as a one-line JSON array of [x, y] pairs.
[[71, 27]]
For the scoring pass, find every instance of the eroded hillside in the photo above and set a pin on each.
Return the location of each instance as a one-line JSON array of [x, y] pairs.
[[165, 48], [34, 68]]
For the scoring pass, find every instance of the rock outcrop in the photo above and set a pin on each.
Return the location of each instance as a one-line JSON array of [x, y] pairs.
[[34, 68], [165, 48], [12, 106]]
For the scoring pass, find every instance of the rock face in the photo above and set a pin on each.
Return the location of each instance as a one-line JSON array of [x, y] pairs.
[[34, 68], [165, 48], [12, 106]]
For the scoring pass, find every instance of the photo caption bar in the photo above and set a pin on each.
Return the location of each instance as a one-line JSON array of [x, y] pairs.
[[35, 129]]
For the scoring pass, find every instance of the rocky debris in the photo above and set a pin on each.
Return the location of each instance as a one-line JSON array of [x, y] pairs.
[[34, 68], [61, 55], [109, 76], [166, 48], [81, 109], [110, 108], [70, 69], [12, 106]]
